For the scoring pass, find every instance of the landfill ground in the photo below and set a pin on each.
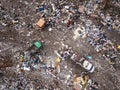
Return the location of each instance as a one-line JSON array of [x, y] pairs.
[[19, 36]]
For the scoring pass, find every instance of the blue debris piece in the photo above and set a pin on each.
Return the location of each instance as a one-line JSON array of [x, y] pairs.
[[41, 9], [35, 66], [89, 57]]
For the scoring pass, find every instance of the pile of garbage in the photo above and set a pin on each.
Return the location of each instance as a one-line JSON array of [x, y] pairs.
[[58, 13], [31, 58], [111, 22], [108, 19], [18, 82], [84, 82], [99, 40], [66, 53], [62, 15]]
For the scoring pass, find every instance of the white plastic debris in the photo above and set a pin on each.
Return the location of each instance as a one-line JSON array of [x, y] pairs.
[[26, 68], [50, 29]]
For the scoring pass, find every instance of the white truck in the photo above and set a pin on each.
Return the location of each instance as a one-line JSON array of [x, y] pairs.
[[85, 64], [81, 61]]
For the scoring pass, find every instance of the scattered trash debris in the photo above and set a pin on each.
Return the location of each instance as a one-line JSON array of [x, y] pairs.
[[118, 47], [89, 57], [41, 23], [61, 19]]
